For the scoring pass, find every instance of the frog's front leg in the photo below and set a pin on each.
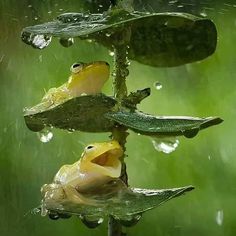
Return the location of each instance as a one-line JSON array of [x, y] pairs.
[[74, 196]]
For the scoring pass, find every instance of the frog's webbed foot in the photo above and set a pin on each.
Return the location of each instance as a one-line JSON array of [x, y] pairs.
[[74, 196]]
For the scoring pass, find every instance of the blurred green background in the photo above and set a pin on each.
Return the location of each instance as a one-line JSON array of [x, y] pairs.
[[202, 89]]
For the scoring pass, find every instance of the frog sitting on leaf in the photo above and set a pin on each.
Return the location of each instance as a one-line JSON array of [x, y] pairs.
[[99, 164], [85, 78]]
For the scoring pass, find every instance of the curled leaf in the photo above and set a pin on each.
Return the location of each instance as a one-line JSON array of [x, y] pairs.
[[156, 39]]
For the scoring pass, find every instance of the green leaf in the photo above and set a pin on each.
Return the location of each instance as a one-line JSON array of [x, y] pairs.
[[162, 125], [117, 200], [84, 113], [156, 39]]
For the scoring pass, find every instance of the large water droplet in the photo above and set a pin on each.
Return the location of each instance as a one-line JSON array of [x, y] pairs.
[[219, 217], [157, 85], [45, 135], [66, 42], [39, 41], [165, 144]]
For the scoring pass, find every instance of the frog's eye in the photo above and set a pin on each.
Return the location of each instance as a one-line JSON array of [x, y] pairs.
[[76, 67], [90, 147]]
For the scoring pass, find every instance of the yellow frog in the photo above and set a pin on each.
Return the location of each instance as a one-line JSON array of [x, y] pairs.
[[85, 78], [99, 164]]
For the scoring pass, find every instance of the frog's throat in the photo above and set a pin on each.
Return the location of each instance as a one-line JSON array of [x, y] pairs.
[[107, 163]]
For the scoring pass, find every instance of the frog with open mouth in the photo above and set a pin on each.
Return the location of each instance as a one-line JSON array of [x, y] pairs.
[[99, 164]]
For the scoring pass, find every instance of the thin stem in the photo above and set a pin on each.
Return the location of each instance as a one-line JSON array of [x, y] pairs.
[[119, 133], [114, 227]]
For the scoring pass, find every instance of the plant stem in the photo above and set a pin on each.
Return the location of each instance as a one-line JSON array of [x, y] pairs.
[[119, 133]]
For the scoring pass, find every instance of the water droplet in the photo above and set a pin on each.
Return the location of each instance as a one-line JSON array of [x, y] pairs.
[[219, 217], [158, 85], [37, 41], [53, 216], [111, 53], [66, 42], [71, 130], [45, 135], [203, 14], [113, 74], [209, 157], [190, 133], [41, 41], [165, 144], [36, 18], [108, 34], [124, 72], [49, 12], [91, 222], [131, 220]]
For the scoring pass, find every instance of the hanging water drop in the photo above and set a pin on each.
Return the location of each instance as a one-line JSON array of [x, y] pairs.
[[108, 34], [191, 133], [41, 41], [91, 222], [158, 85], [219, 217], [45, 135], [165, 144], [66, 42], [131, 220], [37, 41]]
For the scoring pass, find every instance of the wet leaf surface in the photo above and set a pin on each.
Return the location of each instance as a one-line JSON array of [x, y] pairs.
[[162, 125], [117, 200], [156, 39], [84, 113], [94, 113]]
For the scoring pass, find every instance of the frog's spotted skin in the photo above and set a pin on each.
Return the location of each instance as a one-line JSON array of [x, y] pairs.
[[99, 163], [85, 78]]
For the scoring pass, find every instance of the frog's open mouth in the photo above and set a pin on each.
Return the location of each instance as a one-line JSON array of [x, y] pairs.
[[109, 162]]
